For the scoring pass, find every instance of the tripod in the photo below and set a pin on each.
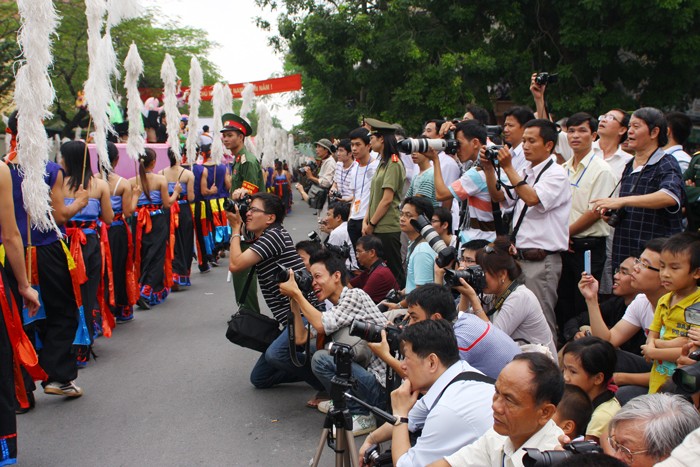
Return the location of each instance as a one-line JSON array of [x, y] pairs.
[[339, 417]]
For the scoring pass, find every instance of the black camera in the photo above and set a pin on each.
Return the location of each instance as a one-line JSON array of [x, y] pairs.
[[343, 251], [241, 205], [615, 216], [473, 275], [303, 278], [494, 131], [313, 166], [343, 356], [393, 296], [373, 458], [373, 332], [491, 154], [314, 237], [544, 78], [421, 145], [536, 458], [445, 254], [687, 378], [334, 196]]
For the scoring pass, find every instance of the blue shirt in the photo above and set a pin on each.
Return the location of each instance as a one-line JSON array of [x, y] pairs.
[[460, 417], [420, 268], [483, 345]]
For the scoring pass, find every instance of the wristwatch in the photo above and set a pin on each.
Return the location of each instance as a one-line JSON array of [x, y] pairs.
[[400, 420], [370, 223]]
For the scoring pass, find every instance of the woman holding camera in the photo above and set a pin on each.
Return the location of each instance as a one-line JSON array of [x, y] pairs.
[[181, 224], [517, 312]]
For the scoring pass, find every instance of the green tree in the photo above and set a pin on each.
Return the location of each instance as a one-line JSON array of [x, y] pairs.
[[409, 60], [153, 36]]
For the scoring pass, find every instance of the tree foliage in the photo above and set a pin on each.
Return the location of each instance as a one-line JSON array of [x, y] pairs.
[[409, 60], [153, 36]]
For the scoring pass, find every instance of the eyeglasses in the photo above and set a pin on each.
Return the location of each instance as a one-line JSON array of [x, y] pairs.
[[405, 214], [617, 447], [609, 118], [257, 210], [623, 272], [432, 221], [645, 265]]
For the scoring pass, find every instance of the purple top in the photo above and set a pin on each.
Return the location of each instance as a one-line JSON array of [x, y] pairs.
[[39, 238]]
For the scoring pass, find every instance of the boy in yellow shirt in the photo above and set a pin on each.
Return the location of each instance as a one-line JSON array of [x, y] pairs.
[[679, 273]]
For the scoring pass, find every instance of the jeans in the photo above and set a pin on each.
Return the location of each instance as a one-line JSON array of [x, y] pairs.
[[275, 366], [366, 387]]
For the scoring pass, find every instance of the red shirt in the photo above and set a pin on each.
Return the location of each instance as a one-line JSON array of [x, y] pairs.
[[376, 283]]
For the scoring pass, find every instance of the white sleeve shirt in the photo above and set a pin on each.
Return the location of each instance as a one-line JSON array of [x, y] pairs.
[[640, 313]]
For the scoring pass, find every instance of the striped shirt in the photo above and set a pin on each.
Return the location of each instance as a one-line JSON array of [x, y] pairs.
[[343, 180], [276, 248], [423, 185], [472, 188]]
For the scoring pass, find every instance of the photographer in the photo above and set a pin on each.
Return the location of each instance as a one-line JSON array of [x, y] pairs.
[[326, 172], [651, 189], [420, 257], [527, 393], [541, 194], [455, 407], [273, 246], [329, 283], [376, 278], [336, 225]]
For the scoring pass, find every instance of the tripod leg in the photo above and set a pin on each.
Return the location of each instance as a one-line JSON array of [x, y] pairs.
[[340, 447], [351, 449], [319, 449]]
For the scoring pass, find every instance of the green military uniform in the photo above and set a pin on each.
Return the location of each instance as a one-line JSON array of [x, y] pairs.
[[693, 193], [246, 172]]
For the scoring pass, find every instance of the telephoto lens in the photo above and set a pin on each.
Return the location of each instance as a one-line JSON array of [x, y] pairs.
[[426, 230]]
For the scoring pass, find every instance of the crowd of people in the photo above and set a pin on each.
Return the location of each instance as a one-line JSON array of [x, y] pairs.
[[535, 284]]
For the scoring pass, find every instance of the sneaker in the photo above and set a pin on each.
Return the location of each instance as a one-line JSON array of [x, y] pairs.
[[363, 424], [325, 406], [68, 389]]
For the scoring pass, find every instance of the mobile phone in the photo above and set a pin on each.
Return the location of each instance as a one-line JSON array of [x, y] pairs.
[[587, 261]]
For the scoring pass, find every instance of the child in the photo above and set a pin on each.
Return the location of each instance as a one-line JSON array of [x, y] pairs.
[[589, 363], [573, 412], [680, 271]]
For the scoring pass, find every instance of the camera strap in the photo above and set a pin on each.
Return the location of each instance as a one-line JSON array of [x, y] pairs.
[[292, 341], [246, 286], [500, 300], [522, 213]]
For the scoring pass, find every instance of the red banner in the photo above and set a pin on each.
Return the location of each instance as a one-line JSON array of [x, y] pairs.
[[267, 86]]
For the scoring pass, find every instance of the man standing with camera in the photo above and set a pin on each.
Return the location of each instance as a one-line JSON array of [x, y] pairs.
[[369, 372], [455, 408], [272, 251], [542, 198], [246, 174], [336, 226]]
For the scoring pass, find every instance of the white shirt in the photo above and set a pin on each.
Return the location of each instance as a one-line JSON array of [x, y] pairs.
[[461, 416], [451, 173], [326, 172], [496, 450], [550, 215], [339, 237], [681, 156], [640, 313], [342, 179], [617, 161], [360, 185]]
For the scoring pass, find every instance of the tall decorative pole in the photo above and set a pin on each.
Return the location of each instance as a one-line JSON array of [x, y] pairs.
[[196, 81], [34, 94]]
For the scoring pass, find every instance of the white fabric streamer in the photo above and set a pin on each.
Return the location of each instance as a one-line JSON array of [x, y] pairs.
[[133, 65], [168, 74], [196, 81], [247, 96], [34, 94], [217, 147]]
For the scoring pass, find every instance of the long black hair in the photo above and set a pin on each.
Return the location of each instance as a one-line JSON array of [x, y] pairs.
[[391, 148], [74, 160], [145, 160]]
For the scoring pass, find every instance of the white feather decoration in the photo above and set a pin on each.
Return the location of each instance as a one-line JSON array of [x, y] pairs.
[[196, 81], [217, 147], [168, 74], [133, 65], [98, 91], [227, 102], [264, 141], [120, 10], [34, 94], [247, 95]]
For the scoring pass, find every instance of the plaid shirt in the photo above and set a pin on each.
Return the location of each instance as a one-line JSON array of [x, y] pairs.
[[356, 304], [639, 225]]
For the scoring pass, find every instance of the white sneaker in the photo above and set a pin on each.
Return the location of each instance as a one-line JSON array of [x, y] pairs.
[[363, 424], [69, 389], [325, 406]]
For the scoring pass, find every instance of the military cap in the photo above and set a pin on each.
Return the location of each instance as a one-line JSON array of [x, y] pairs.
[[380, 127], [232, 122]]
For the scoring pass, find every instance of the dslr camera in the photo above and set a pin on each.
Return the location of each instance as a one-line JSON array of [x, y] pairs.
[[537, 458], [393, 296], [334, 196], [473, 275], [342, 251], [445, 254], [544, 78], [491, 154], [615, 216], [373, 333], [303, 278], [241, 205], [374, 458], [411, 145]]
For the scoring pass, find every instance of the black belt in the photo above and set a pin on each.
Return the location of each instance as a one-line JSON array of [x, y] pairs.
[[534, 254]]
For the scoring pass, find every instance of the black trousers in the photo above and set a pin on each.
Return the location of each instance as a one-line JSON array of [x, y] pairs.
[[355, 230], [184, 242], [119, 245], [392, 252], [570, 302]]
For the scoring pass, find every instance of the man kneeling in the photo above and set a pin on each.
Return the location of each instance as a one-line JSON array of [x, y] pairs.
[[329, 283], [456, 406]]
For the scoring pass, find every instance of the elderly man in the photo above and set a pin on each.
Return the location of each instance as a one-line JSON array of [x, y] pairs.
[[527, 393], [646, 429]]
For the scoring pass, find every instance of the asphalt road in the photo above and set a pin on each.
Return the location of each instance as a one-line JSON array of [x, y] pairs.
[[168, 389]]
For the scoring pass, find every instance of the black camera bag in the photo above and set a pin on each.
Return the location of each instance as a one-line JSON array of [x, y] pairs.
[[317, 197], [250, 329]]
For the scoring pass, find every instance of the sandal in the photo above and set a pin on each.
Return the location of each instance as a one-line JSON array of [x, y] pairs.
[[318, 398]]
